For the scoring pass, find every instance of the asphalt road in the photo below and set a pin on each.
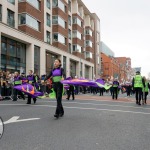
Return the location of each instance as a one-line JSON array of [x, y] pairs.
[[86, 125]]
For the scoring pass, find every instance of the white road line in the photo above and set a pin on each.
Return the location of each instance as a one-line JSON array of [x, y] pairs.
[[15, 119], [81, 108], [100, 105]]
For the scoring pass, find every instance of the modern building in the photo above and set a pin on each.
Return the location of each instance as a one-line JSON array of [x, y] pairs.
[[33, 33], [106, 50]]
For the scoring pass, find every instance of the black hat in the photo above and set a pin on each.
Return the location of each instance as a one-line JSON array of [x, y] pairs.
[[22, 73], [137, 72]]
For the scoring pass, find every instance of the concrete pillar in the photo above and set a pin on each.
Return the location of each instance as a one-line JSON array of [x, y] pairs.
[[42, 61], [83, 70], [67, 66], [90, 73], [30, 57], [78, 68]]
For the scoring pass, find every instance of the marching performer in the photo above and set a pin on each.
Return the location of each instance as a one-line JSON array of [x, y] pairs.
[[57, 74]]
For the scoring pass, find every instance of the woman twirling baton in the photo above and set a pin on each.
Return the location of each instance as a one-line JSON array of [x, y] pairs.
[[57, 74]]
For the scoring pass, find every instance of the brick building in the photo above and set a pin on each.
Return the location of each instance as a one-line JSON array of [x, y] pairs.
[[35, 32]]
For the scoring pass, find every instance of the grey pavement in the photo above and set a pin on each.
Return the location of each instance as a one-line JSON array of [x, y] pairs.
[[86, 125]]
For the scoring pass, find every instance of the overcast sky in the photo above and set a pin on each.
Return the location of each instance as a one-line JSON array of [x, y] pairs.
[[125, 28]]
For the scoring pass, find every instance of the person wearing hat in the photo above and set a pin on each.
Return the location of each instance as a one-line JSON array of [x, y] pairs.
[[138, 83]]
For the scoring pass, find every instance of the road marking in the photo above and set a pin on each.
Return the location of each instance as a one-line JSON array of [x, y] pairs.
[[81, 108], [99, 104], [15, 119]]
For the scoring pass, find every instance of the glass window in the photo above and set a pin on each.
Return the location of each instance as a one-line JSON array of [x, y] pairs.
[[77, 21], [76, 34], [48, 35], [11, 1], [69, 34], [55, 3], [69, 5], [10, 18], [48, 19], [37, 59], [88, 32], [88, 43], [69, 48], [48, 4], [59, 4], [59, 38], [4, 48], [26, 19], [77, 48], [88, 55], [58, 20], [69, 20], [13, 56], [35, 3]]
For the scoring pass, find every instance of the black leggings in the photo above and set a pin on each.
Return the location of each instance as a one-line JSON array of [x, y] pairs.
[[58, 88]]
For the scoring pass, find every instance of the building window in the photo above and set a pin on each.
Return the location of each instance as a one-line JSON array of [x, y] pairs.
[[88, 43], [48, 37], [37, 60], [59, 20], [10, 18], [69, 5], [48, 19], [89, 55], [76, 34], [0, 12], [69, 48], [59, 4], [69, 34], [35, 3], [77, 48], [30, 21], [13, 55], [48, 4], [69, 20], [59, 38], [88, 32], [77, 21], [11, 1]]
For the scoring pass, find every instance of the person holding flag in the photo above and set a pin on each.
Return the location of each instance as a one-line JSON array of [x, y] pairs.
[[57, 74]]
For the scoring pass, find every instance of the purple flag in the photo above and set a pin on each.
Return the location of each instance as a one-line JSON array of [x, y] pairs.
[[29, 90]]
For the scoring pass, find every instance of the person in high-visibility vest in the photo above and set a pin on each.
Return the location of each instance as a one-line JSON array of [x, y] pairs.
[[138, 83], [145, 91]]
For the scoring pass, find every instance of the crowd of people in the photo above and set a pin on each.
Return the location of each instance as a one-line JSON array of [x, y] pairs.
[[139, 86]]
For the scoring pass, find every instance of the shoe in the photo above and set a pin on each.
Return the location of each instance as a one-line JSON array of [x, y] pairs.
[[34, 101], [139, 103], [73, 99], [56, 116], [28, 103], [67, 99], [61, 115]]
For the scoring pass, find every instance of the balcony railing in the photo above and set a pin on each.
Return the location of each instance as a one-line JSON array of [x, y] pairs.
[[11, 22]]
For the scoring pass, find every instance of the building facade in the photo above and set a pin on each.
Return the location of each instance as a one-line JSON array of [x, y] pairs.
[[33, 33]]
